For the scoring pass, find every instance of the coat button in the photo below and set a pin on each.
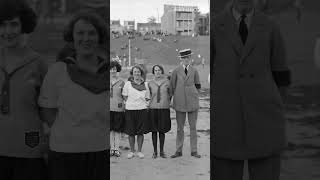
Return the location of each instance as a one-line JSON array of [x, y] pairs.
[[251, 75], [241, 75]]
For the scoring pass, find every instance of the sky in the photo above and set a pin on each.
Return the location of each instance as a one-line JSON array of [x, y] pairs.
[[141, 10]]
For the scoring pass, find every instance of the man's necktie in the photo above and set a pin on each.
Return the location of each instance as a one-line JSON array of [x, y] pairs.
[[186, 70], [243, 29]]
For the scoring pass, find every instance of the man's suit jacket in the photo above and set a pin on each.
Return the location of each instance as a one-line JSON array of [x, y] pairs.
[[248, 112], [183, 89]]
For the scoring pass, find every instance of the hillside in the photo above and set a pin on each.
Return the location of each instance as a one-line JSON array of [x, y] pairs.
[[163, 52]]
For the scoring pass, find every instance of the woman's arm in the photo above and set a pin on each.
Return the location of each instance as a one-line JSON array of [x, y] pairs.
[[125, 98], [48, 115]]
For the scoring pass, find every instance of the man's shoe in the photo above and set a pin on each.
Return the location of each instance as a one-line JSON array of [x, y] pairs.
[[177, 154], [195, 154]]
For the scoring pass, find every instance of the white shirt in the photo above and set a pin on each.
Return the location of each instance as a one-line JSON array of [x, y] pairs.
[[184, 67], [137, 100], [81, 122]]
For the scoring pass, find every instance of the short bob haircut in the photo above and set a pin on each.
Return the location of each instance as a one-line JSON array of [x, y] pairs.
[[91, 18], [115, 64], [137, 67], [10, 9], [159, 66]]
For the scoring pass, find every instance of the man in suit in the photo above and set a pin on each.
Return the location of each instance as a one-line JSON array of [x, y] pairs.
[[250, 74], [185, 84]]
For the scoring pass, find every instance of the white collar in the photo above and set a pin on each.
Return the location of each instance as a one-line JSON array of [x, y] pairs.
[[237, 15], [185, 66]]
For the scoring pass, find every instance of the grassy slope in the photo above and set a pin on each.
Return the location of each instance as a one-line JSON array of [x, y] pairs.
[[163, 52]]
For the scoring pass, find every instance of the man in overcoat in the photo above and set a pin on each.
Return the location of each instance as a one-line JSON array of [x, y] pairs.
[[185, 84], [250, 75]]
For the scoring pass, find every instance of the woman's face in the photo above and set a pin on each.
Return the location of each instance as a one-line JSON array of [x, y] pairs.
[[113, 72], [157, 71], [186, 60], [136, 73], [10, 33], [85, 38]]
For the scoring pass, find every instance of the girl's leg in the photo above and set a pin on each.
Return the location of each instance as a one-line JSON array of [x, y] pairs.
[[162, 138], [112, 140], [116, 140], [154, 141], [140, 142], [132, 142]]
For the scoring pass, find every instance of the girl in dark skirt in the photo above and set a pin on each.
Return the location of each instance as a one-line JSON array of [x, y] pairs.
[[159, 112], [116, 108], [136, 94]]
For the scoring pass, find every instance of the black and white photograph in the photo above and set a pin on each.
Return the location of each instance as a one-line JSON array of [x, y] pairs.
[[54, 94], [159, 89], [265, 58]]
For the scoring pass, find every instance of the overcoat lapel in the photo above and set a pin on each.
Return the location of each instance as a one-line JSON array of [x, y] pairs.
[[182, 73], [256, 27], [230, 28], [190, 71]]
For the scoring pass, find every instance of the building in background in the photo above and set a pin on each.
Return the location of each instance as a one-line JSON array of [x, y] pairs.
[[203, 24], [116, 27], [129, 25], [148, 27], [178, 20]]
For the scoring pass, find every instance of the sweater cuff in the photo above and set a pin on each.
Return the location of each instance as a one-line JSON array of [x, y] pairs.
[[282, 78]]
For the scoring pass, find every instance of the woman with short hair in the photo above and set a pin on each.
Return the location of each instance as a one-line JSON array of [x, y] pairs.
[[116, 108], [159, 112], [74, 96], [136, 94]]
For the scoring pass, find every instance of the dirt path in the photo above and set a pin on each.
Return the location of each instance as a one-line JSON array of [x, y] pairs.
[[184, 168]]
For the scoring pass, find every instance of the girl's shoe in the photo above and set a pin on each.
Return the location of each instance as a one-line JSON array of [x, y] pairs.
[[130, 155], [111, 152], [117, 153], [155, 155], [163, 155], [140, 155]]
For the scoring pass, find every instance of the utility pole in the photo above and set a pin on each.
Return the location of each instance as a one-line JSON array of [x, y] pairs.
[[129, 53], [158, 16]]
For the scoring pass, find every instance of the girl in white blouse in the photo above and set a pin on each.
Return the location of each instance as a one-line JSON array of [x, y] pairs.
[[136, 94]]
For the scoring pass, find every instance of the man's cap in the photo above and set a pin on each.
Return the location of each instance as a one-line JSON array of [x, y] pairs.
[[185, 52]]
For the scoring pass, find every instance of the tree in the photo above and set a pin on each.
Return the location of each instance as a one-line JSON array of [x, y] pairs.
[[152, 20]]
